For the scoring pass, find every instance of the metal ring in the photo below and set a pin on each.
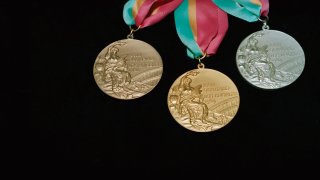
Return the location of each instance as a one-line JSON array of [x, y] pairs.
[[132, 30], [264, 20], [130, 36], [201, 66], [200, 58], [265, 26]]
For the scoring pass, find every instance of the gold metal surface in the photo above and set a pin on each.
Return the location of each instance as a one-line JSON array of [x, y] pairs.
[[203, 100], [127, 69]]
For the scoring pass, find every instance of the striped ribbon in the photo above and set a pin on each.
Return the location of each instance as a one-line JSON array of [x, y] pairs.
[[143, 13], [249, 10], [201, 26]]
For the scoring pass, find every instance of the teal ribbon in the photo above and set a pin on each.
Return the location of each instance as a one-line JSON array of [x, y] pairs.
[[127, 13], [184, 31], [243, 9]]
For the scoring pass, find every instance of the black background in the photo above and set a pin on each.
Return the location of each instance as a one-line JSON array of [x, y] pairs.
[[75, 125]]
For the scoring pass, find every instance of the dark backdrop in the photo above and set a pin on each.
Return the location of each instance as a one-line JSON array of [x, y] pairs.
[[75, 125]]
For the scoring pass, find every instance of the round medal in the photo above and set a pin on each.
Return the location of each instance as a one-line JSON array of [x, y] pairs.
[[270, 59], [127, 69], [203, 100]]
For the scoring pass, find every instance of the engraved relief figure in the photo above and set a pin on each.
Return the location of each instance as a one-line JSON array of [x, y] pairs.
[[125, 71], [116, 70], [115, 75], [187, 101], [255, 60]]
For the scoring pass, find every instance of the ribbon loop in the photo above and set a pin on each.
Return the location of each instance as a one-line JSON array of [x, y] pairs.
[[201, 26], [249, 10], [145, 13]]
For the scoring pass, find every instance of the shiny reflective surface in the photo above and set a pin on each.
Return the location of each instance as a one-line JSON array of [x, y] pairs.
[[203, 100], [270, 59], [127, 69]]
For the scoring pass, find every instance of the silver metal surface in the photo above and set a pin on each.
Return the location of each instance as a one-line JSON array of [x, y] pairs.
[[270, 59]]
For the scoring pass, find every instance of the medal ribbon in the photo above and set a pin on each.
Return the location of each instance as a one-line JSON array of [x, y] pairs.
[[249, 10], [201, 26], [143, 13]]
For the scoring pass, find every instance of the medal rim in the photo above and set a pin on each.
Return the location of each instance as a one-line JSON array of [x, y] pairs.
[[214, 71], [127, 39], [264, 88]]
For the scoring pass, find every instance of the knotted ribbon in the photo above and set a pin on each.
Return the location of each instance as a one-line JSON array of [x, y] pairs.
[[249, 10], [201, 24], [143, 13]]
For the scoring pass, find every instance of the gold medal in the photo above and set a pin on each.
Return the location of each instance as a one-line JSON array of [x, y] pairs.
[[127, 69], [203, 100]]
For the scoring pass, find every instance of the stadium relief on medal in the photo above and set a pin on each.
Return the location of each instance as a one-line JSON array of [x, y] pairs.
[[270, 59], [200, 104], [128, 69]]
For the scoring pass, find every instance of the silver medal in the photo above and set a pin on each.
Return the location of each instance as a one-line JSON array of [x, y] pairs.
[[270, 59]]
